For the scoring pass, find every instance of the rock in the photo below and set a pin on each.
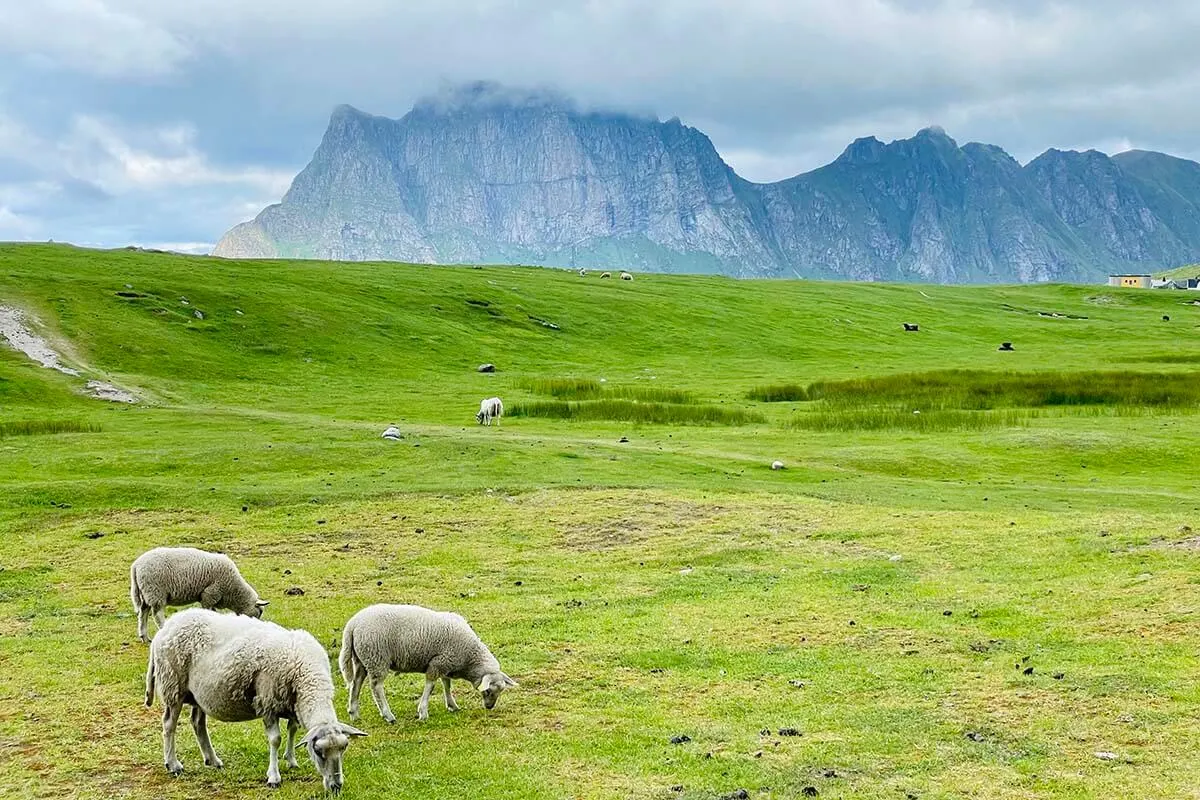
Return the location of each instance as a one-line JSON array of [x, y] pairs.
[[1027, 671], [796, 684], [294, 591], [1005, 346], [486, 368], [198, 314], [682, 738], [1104, 755], [623, 440], [776, 465], [789, 732], [974, 736], [809, 791], [94, 535], [740, 794]]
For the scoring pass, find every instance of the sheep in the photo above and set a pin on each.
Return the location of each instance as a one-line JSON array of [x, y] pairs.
[[399, 638], [776, 465], [237, 669], [625, 276], [490, 409], [178, 576], [582, 272], [605, 274]]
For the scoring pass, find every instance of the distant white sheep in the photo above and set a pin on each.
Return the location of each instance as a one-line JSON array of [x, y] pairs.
[[582, 272], [398, 638], [625, 276], [179, 576], [605, 274], [237, 669], [490, 409], [776, 465]]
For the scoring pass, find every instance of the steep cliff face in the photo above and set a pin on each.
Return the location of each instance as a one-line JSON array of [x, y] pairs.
[[490, 176]]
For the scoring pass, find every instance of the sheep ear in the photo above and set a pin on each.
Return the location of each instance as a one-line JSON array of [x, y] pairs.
[[262, 603], [350, 730], [508, 682]]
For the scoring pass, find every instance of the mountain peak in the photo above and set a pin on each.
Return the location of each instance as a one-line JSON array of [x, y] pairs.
[[935, 133]]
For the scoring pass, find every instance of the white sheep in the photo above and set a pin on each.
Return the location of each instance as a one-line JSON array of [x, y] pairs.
[[490, 409], [605, 274], [237, 669], [625, 276], [178, 576], [393, 638], [582, 272]]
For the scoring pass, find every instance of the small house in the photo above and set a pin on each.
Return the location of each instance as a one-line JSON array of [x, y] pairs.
[[1130, 281]]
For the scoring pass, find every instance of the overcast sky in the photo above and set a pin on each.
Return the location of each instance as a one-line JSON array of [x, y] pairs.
[[164, 122]]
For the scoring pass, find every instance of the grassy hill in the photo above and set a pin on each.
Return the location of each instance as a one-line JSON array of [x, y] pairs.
[[1186, 271], [620, 541]]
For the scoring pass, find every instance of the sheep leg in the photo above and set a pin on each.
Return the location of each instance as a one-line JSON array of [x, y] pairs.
[[160, 618], [273, 740], [200, 726], [289, 755], [170, 720], [450, 704], [356, 682], [381, 699], [423, 703], [143, 624]]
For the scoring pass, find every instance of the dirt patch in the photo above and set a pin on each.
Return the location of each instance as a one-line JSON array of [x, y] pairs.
[[607, 534], [1187, 544], [106, 391], [17, 329]]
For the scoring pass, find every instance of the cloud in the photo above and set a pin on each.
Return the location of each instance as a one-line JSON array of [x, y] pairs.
[[190, 113], [92, 36]]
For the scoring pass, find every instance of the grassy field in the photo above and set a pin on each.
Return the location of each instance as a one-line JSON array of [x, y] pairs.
[[969, 601]]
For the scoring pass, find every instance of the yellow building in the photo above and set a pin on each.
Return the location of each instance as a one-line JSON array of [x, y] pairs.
[[1130, 281]]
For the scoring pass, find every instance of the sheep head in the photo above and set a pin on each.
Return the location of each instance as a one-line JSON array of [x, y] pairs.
[[492, 685], [326, 745]]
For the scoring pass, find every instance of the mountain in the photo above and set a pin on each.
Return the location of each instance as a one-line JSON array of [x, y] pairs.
[[484, 174]]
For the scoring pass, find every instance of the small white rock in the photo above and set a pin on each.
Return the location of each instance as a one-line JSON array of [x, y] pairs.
[[393, 433], [686, 571], [776, 465], [1104, 755], [896, 558]]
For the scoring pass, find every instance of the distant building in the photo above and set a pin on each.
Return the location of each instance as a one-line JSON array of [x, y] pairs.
[[1131, 281]]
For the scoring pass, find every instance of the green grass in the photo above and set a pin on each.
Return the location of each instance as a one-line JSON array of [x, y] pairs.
[[43, 427], [883, 594], [590, 389], [637, 412]]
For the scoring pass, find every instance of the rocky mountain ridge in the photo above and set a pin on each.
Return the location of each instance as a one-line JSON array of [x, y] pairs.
[[485, 175]]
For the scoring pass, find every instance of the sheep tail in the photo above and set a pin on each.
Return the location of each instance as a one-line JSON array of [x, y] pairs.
[[135, 593], [150, 679], [346, 658]]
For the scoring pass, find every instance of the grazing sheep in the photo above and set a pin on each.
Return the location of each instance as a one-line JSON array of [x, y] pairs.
[[391, 638], [582, 272], [178, 576], [605, 274], [237, 669], [625, 276], [911, 326], [490, 409], [776, 465]]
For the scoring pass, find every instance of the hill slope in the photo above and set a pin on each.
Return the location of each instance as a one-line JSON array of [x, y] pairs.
[[485, 175], [642, 577]]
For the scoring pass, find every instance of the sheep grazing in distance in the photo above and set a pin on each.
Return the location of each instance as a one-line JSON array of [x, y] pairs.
[[179, 576], [776, 465], [236, 669], [625, 276], [582, 272], [490, 409], [605, 274], [396, 638]]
